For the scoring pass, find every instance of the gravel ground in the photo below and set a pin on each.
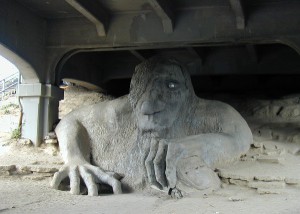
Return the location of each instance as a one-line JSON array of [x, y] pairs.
[[25, 188]]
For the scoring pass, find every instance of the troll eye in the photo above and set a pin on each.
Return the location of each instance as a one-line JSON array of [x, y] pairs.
[[172, 85]]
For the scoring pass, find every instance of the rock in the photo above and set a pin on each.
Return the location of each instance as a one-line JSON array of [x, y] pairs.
[[257, 144], [225, 180], [268, 191], [262, 112], [269, 178], [289, 112], [77, 96], [5, 173], [51, 135], [296, 112], [58, 162], [51, 141], [231, 175], [223, 185], [292, 181], [7, 168], [296, 138], [35, 168], [43, 174], [266, 185], [25, 141], [23, 171], [51, 149], [267, 159], [38, 176], [273, 152], [263, 132], [274, 110], [235, 199], [238, 182]]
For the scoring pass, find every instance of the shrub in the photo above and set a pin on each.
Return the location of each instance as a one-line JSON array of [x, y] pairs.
[[16, 133], [9, 108], [6, 111]]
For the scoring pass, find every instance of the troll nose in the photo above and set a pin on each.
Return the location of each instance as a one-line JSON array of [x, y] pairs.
[[152, 107]]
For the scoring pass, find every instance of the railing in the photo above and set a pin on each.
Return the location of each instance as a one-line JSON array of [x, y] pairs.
[[9, 85]]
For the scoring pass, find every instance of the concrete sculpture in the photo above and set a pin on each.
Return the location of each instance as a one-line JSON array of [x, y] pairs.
[[161, 135]]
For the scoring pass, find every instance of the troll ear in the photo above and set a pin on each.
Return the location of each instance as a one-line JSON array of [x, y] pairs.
[[187, 78]]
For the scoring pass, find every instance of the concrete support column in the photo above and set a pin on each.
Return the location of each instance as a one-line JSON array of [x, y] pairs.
[[40, 109]]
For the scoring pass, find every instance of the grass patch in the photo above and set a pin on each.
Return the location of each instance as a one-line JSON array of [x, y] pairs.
[[9, 105], [6, 111], [16, 133], [9, 108]]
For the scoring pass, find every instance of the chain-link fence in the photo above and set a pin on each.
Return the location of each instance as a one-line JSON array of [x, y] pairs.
[[9, 86]]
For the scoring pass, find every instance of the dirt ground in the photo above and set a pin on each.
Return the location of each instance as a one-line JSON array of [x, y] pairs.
[[31, 193], [24, 196], [266, 180]]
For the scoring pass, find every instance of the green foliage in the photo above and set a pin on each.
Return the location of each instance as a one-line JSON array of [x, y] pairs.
[[16, 133], [10, 105], [6, 111], [9, 108]]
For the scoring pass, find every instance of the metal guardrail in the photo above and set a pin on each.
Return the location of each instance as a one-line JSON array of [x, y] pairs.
[[9, 85]]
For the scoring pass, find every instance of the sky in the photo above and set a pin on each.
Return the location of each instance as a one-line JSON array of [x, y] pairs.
[[6, 68]]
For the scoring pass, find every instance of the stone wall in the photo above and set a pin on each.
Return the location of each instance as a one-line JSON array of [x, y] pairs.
[[269, 118], [77, 96]]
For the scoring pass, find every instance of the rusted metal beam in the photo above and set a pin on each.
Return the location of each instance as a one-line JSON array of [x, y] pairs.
[[94, 12], [238, 10], [163, 10]]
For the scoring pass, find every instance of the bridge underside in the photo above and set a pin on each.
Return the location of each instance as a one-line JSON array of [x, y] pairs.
[[229, 45]]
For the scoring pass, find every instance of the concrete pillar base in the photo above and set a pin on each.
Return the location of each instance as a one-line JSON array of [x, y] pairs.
[[40, 109]]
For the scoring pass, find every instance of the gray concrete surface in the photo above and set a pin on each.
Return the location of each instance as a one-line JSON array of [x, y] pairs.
[[19, 196]]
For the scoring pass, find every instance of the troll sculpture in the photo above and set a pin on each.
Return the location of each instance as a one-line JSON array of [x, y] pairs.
[[160, 135]]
